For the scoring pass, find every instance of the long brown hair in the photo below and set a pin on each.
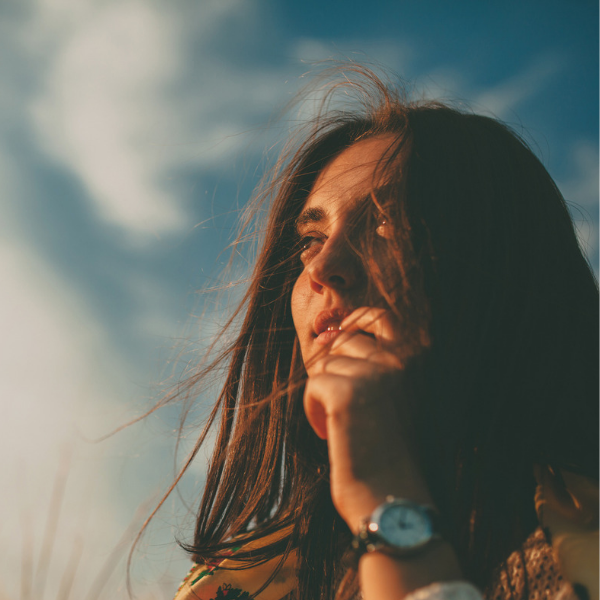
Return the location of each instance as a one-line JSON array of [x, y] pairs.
[[488, 263]]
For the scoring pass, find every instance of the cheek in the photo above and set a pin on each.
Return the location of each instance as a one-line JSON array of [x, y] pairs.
[[299, 305]]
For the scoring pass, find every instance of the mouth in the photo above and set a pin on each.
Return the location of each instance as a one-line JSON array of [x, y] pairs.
[[328, 324]]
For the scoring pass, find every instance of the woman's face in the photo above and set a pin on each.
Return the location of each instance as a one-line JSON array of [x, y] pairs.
[[333, 282]]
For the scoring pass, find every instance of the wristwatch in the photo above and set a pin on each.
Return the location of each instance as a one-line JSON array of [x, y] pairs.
[[398, 527]]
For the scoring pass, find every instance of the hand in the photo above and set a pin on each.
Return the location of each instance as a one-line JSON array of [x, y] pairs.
[[352, 399]]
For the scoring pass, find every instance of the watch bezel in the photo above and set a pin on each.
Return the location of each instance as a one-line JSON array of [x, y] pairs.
[[374, 539]]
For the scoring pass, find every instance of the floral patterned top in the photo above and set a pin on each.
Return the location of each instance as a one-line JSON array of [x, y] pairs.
[[213, 581]]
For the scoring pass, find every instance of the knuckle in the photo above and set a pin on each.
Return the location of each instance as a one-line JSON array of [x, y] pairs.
[[385, 358]]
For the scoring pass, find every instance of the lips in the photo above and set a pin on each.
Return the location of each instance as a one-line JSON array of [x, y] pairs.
[[327, 324]]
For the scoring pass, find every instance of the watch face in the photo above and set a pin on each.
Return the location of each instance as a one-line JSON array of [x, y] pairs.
[[404, 525]]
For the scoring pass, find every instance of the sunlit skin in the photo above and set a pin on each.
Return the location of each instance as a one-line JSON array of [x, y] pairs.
[[353, 372], [332, 278]]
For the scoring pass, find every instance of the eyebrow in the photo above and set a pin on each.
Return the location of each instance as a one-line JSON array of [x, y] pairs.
[[310, 215]]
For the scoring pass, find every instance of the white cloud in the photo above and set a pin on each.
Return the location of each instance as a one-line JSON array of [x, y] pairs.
[[62, 379], [59, 377], [581, 193], [582, 187], [124, 102], [101, 109], [502, 99]]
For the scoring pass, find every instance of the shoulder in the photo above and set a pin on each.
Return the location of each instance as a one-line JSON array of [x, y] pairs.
[[202, 582], [225, 580]]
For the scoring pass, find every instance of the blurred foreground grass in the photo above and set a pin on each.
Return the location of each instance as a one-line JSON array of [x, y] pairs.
[[46, 574]]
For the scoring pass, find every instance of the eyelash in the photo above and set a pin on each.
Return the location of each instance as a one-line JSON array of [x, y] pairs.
[[305, 243]]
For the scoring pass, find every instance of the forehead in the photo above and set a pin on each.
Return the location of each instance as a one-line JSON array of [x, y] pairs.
[[348, 178]]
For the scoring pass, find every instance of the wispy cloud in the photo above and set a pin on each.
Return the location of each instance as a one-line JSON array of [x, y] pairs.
[[580, 189], [504, 98], [102, 108], [62, 379], [125, 105]]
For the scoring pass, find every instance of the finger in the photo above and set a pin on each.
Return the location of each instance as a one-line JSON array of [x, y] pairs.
[[353, 343], [322, 395], [376, 321], [359, 345], [347, 366]]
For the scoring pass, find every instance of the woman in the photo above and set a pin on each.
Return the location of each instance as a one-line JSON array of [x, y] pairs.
[[419, 352]]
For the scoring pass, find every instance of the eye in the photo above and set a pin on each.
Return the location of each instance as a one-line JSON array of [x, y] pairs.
[[309, 245]]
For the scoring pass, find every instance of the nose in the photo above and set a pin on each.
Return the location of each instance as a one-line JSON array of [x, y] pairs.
[[336, 266]]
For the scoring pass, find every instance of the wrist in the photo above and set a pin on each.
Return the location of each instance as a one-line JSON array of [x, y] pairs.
[[381, 575]]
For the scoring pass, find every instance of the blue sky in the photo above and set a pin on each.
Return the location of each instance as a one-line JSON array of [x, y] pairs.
[[132, 134]]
